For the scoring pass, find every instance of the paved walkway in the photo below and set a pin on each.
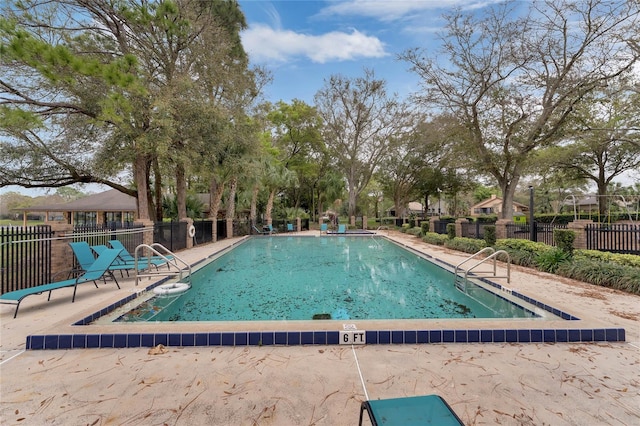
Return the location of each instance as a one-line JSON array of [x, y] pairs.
[[486, 384]]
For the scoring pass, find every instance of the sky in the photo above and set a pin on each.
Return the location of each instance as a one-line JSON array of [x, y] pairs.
[[304, 42]]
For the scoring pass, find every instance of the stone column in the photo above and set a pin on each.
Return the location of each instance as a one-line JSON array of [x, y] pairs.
[[579, 227], [364, 222], [298, 224], [459, 223], [501, 228], [61, 254]]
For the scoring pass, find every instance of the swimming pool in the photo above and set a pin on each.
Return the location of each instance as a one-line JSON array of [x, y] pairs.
[[341, 278], [96, 327]]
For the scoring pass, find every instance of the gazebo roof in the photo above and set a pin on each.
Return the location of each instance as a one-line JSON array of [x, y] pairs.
[[111, 200]]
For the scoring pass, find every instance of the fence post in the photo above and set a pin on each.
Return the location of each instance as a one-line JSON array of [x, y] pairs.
[[459, 223], [501, 228], [580, 229]]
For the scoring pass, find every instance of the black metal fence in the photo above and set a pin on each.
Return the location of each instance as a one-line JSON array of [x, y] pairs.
[[440, 226], [25, 257], [474, 229], [615, 238], [543, 232]]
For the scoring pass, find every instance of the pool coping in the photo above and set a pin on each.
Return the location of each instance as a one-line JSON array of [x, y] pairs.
[[326, 332]]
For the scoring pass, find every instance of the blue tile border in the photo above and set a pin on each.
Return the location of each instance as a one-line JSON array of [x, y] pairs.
[[324, 337]]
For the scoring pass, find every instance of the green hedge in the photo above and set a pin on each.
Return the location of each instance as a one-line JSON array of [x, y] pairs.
[[434, 238], [467, 245]]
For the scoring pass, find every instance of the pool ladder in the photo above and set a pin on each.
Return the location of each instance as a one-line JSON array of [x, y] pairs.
[[175, 265], [460, 281]]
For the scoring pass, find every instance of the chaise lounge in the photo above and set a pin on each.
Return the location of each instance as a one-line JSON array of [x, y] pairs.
[[414, 410], [94, 272]]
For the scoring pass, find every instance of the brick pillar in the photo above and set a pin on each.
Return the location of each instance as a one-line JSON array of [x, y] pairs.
[[352, 220], [432, 223], [364, 222], [578, 226], [61, 253], [459, 223], [501, 228], [298, 224], [229, 228]]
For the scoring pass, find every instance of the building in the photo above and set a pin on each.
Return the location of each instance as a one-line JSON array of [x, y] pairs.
[[493, 205], [110, 207]]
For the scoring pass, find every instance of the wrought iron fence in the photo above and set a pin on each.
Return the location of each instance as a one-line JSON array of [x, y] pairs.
[[615, 238], [25, 257], [543, 232]]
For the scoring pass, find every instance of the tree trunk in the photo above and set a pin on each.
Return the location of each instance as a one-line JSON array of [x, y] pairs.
[[157, 185], [181, 192], [140, 178], [215, 197], [508, 189], [231, 202], [269, 209], [253, 214]]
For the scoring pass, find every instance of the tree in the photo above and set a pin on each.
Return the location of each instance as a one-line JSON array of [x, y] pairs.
[[360, 121], [513, 82], [603, 142], [96, 88], [294, 130]]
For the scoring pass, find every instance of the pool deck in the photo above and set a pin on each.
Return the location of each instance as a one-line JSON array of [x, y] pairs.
[[485, 383]]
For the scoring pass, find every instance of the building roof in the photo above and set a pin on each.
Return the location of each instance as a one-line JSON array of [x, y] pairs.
[[494, 201], [108, 201]]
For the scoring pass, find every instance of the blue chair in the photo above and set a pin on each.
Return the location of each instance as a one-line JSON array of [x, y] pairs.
[[85, 256], [290, 227], [415, 410], [324, 228], [342, 229], [97, 270], [128, 257]]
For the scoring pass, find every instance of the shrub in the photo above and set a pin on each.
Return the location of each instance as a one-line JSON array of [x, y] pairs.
[[602, 273], [564, 239], [425, 227], [404, 227], [451, 230], [467, 245], [490, 235], [550, 260], [416, 231], [620, 259], [522, 252], [434, 238]]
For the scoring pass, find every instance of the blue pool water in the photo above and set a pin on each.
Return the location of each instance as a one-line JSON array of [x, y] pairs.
[[303, 278]]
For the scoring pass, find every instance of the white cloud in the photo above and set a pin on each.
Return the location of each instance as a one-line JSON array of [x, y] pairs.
[[264, 43], [392, 10]]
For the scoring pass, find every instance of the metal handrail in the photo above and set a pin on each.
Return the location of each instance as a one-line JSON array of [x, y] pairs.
[[173, 260], [493, 256], [472, 257]]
